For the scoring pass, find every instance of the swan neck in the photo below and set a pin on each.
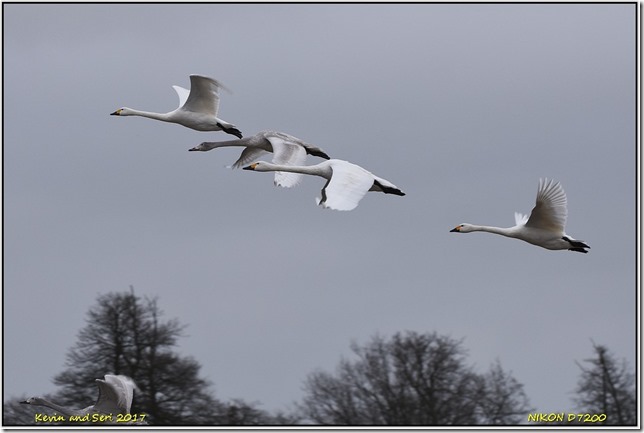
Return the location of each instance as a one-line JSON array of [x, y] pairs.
[[491, 229], [63, 410], [209, 145], [302, 169], [150, 115]]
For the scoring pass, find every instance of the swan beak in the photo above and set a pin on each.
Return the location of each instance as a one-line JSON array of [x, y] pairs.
[[194, 149], [456, 229], [116, 113], [250, 167], [24, 402]]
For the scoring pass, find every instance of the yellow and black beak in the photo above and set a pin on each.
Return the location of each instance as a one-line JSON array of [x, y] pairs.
[[456, 229], [250, 167], [116, 113]]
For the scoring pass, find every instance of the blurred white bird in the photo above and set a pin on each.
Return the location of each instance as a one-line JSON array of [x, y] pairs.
[[545, 226], [346, 183], [114, 396], [286, 149], [197, 108]]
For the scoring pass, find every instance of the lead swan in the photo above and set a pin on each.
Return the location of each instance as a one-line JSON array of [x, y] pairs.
[[346, 183], [114, 396], [286, 149], [197, 108], [545, 226]]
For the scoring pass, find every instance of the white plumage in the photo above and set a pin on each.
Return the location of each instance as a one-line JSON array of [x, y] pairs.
[[286, 149], [115, 394], [346, 183], [197, 109], [546, 225]]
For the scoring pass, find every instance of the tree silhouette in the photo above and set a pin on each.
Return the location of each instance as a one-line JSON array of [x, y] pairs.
[[607, 387], [126, 334], [412, 379], [501, 398]]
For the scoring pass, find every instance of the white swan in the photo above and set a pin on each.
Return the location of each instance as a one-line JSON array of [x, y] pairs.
[[546, 224], [114, 396], [286, 149], [197, 108], [346, 183]]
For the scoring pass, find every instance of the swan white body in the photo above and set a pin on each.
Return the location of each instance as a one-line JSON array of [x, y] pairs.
[[546, 225], [286, 149], [346, 183], [115, 395], [198, 108]]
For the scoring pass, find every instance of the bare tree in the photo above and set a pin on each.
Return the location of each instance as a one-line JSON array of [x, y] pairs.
[[125, 334], [501, 399], [607, 386], [412, 379]]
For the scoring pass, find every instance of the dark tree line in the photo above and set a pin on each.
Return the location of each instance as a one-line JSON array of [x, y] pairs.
[[125, 334], [408, 379], [413, 379], [607, 386]]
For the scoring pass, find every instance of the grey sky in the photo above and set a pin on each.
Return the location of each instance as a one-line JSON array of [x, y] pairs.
[[462, 106]]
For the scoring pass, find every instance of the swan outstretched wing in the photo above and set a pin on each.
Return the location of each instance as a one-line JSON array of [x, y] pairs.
[[108, 398], [115, 394], [248, 155], [183, 94], [204, 95], [348, 184], [551, 210], [287, 152]]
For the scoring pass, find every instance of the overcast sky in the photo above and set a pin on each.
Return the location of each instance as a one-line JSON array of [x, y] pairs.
[[462, 106]]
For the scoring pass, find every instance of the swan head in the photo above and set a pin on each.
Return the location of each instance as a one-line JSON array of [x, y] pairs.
[[124, 111], [202, 147], [462, 228], [258, 166], [32, 400]]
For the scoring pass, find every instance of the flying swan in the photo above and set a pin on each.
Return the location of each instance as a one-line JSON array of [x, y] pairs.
[[346, 183], [286, 149], [545, 226], [197, 108], [114, 396]]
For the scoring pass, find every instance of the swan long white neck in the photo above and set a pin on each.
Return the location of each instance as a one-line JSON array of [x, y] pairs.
[[61, 409], [491, 229], [149, 114], [302, 169], [209, 145]]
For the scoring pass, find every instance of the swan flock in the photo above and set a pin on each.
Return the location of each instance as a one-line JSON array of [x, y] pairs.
[[346, 183]]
